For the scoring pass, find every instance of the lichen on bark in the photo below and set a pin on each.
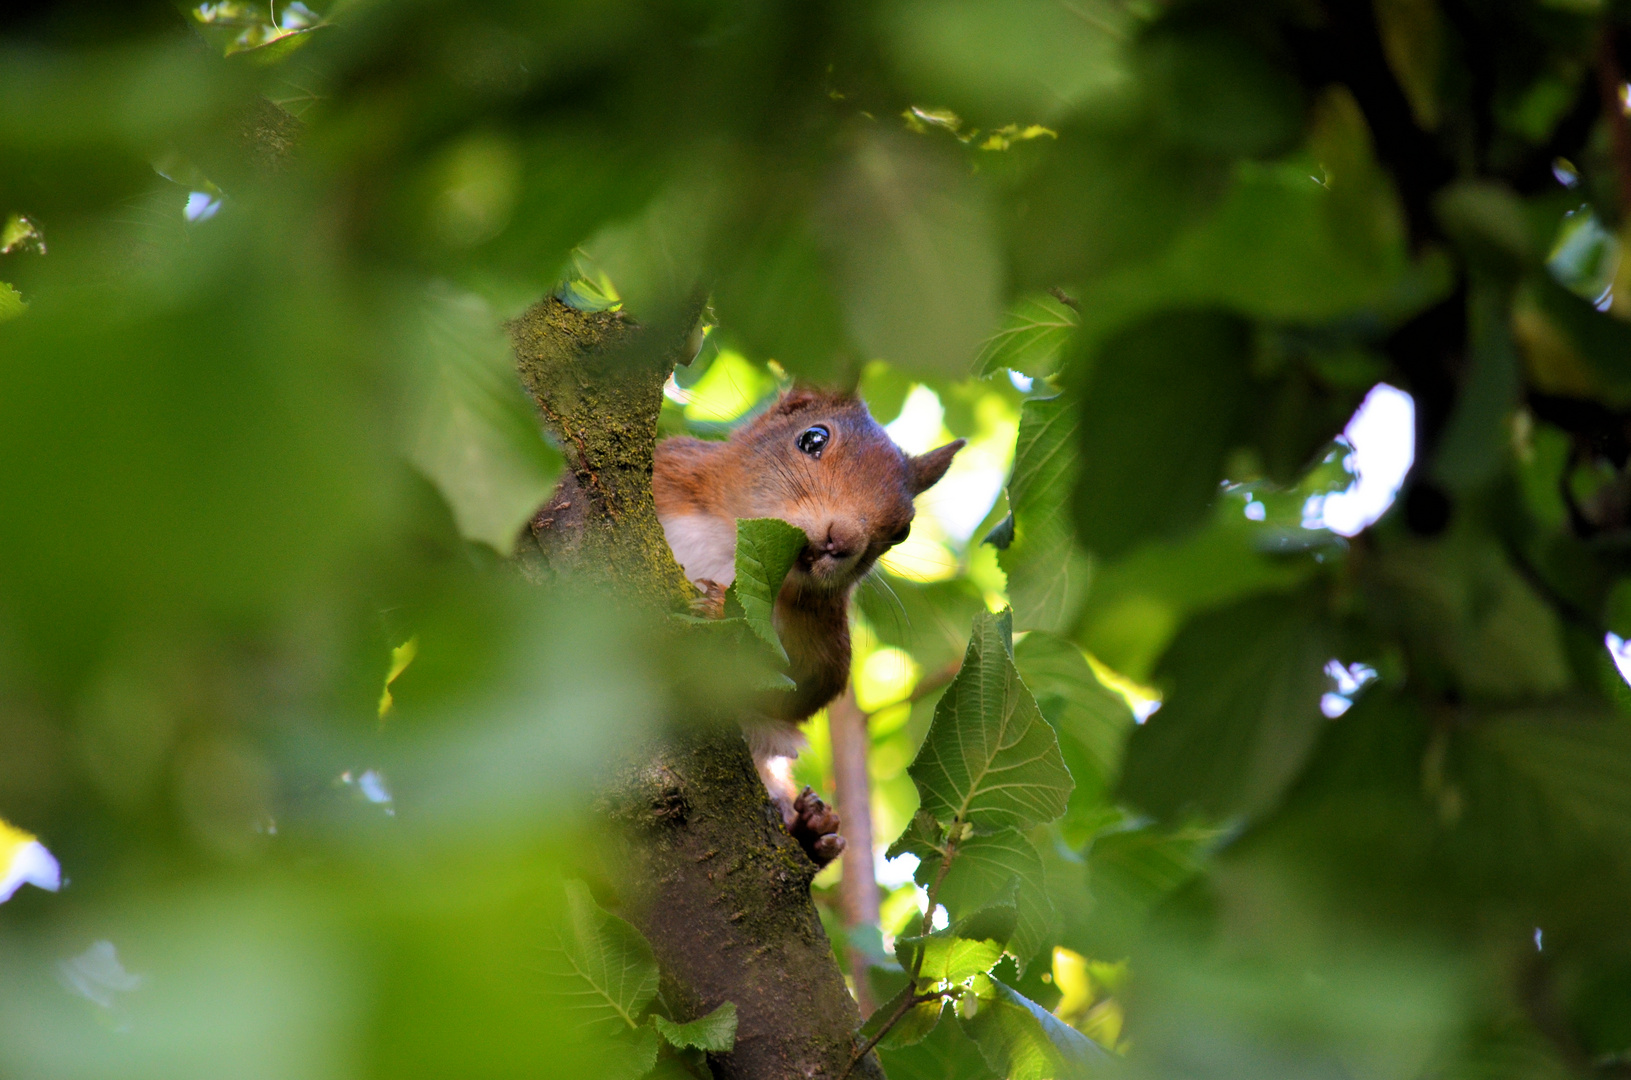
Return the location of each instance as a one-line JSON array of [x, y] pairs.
[[707, 873]]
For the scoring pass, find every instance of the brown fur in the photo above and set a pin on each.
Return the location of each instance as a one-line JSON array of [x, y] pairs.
[[853, 503]]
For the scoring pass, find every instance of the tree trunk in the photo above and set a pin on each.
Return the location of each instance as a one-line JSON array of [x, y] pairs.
[[712, 878]]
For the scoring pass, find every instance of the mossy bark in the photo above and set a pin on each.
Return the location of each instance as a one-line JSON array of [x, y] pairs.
[[711, 877]]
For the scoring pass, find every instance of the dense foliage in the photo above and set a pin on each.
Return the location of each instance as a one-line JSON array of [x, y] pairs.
[[318, 762]]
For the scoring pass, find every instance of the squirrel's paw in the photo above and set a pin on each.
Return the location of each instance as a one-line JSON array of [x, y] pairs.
[[711, 604], [815, 827]]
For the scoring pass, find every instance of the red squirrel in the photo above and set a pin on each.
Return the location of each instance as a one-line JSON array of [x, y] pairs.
[[821, 462]]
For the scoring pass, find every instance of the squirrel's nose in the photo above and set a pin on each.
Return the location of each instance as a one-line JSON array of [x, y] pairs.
[[836, 546]]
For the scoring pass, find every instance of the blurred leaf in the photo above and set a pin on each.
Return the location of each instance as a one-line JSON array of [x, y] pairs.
[[476, 435], [715, 1032], [930, 620], [913, 255], [1471, 619], [603, 970], [1091, 720], [989, 758], [657, 259], [778, 295], [1011, 59], [1032, 338], [1212, 91], [1412, 36], [1131, 868], [1047, 573], [1242, 714], [1473, 445], [11, 302], [1546, 789], [1106, 196], [1159, 411], [1023, 1041], [766, 549], [1592, 340]]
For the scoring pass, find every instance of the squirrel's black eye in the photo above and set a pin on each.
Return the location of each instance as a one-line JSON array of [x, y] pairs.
[[813, 440]]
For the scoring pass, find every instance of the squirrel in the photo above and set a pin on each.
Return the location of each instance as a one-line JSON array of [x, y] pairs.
[[821, 462]]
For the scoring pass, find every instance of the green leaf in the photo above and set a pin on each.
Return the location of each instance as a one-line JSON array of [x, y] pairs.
[[929, 620], [913, 254], [1412, 34], [1021, 1040], [715, 1033], [946, 1054], [475, 434], [1159, 412], [1131, 869], [778, 295], [923, 837], [1601, 342], [1048, 573], [1212, 91], [950, 957], [11, 302], [1106, 197], [603, 972], [1091, 720], [1032, 338], [989, 758], [1472, 619], [913, 1026], [765, 551], [1002, 59], [995, 869], [628, 1055], [1242, 715]]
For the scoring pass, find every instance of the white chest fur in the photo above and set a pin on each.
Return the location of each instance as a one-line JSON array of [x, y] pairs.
[[703, 545]]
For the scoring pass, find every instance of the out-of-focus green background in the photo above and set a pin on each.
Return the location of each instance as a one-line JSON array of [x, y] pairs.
[[312, 761]]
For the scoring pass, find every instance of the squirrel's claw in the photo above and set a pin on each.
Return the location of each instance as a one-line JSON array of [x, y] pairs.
[[815, 827], [711, 604]]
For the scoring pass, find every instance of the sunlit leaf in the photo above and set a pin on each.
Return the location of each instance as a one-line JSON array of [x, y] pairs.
[[1032, 338], [11, 302], [989, 758]]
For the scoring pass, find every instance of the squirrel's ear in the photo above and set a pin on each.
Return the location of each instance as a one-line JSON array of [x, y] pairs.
[[796, 400], [925, 470]]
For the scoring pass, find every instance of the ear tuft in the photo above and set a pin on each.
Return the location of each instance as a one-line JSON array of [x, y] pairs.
[[927, 469]]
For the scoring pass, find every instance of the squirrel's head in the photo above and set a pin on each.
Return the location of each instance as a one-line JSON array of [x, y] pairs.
[[821, 462]]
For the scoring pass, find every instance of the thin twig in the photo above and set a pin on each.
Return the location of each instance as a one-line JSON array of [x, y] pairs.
[[900, 1011], [917, 965]]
